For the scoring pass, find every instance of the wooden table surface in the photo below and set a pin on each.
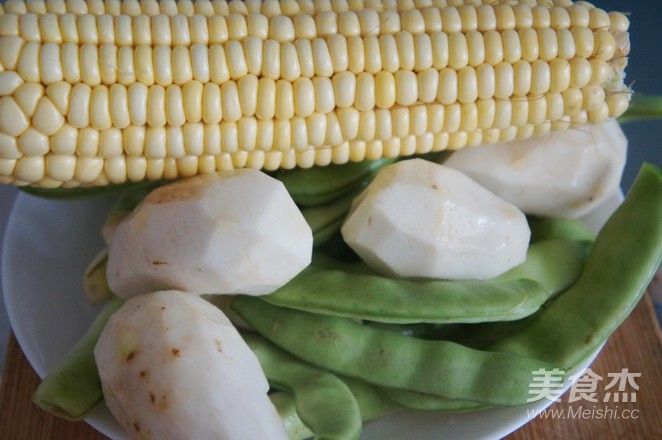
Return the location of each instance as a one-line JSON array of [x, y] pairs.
[[636, 345]]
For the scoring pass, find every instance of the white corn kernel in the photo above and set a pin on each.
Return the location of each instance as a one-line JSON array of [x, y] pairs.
[[467, 85], [299, 133], [365, 92], [133, 140], [33, 143], [47, 119], [247, 133], [88, 169], [174, 106], [49, 63], [181, 35], [141, 31], [326, 23], [26, 26], [284, 100], [406, 87], [144, 65], [266, 99], [304, 27], [540, 77], [291, 69], [418, 120], [59, 93], [400, 121], [126, 72], [440, 50], [192, 92], [324, 97], [407, 50], [200, 62], [175, 142], [218, 66], [89, 65], [10, 49], [448, 86], [9, 82], [123, 27], [584, 41], [30, 169], [235, 52], [218, 29], [476, 47], [237, 27], [105, 29], [257, 25], [281, 29], [304, 97], [253, 47], [356, 55], [334, 135], [211, 103], [385, 89], [264, 137], [156, 106], [367, 125], [61, 167], [155, 143], [100, 108], [65, 140], [87, 29], [9, 148], [28, 64], [110, 143], [136, 168], [458, 51], [316, 124], [212, 139], [230, 101]]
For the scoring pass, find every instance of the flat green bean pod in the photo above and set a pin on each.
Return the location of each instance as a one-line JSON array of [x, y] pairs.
[[388, 359], [73, 388], [567, 229], [93, 191], [428, 402], [325, 404], [132, 196], [475, 335], [353, 290], [326, 232], [371, 404], [622, 261], [317, 185], [295, 428], [326, 219]]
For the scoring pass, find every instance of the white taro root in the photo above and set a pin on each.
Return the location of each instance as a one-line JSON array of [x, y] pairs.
[[232, 232], [421, 219], [562, 174], [172, 366]]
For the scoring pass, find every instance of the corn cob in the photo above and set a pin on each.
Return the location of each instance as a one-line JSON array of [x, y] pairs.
[[96, 92]]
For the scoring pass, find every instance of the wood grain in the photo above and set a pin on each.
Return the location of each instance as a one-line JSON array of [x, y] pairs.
[[636, 345], [19, 417]]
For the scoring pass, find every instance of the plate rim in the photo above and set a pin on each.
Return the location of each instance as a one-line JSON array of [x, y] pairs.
[[101, 419]]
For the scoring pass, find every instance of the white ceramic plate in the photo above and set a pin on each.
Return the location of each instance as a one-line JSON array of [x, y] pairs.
[[47, 246]]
